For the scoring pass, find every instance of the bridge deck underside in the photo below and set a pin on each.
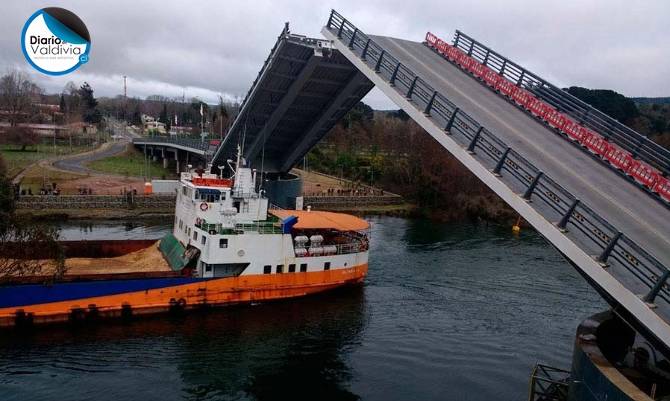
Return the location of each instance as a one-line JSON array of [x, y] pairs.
[[301, 93], [629, 209]]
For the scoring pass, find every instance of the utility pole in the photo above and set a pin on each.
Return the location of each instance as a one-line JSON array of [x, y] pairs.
[[125, 105]]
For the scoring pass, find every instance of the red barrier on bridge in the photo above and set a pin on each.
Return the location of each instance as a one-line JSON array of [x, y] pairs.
[[595, 143], [522, 97], [557, 119], [575, 131], [644, 174], [663, 188], [505, 87], [618, 158]]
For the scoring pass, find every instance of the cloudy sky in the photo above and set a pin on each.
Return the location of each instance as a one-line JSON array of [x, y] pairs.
[[212, 48]]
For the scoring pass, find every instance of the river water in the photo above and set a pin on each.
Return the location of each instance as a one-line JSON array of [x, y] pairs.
[[448, 312]]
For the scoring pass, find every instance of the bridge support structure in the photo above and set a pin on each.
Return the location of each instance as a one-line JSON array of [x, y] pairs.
[[302, 91]]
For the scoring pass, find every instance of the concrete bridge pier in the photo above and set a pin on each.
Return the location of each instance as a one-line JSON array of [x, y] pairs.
[[165, 160], [282, 189]]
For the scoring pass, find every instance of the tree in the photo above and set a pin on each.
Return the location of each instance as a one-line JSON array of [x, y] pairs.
[[62, 106], [137, 115], [360, 113], [89, 105], [609, 102], [20, 238], [164, 118], [29, 248], [21, 136], [399, 114], [17, 94], [3, 172]]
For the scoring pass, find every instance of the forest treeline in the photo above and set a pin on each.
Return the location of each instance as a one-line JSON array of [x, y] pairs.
[[648, 116]]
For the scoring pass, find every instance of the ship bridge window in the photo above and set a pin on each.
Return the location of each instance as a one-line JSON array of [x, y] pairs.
[[303, 267], [207, 195], [326, 266], [195, 235], [223, 243], [204, 239], [267, 269], [291, 268], [280, 268]]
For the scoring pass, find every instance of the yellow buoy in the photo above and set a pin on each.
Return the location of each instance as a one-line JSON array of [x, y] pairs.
[[516, 228]]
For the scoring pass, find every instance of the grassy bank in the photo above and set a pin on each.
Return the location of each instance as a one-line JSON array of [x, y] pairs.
[[131, 164], [17, 160]]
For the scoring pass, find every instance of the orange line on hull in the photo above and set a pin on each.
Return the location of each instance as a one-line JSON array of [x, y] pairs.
[[214, 292]]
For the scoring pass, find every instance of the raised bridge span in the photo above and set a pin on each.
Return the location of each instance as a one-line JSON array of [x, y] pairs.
[[614, 230], [596, 190]]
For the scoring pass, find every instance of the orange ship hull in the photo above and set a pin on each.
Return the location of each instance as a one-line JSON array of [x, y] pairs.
[[194, 294]]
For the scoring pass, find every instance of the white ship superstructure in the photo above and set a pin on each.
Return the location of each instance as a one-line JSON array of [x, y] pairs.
[[226, 225]]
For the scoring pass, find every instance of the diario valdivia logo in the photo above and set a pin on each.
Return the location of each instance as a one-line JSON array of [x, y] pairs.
[[55, 41]]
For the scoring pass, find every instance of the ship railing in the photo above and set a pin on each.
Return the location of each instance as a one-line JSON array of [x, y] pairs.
[[548, 384], [245, 194], [341, 249], [258, 227], [353, 247]]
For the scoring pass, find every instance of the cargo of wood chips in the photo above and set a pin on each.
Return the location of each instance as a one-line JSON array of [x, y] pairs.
[[149, 259]]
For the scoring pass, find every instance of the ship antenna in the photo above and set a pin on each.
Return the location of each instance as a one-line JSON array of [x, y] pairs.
[[239, 156]]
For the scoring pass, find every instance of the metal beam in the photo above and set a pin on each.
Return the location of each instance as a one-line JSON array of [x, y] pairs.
[[283, 106], [308, 138], [326, 81], [336, 66], [315, 95], [285, 76], [292, 59]]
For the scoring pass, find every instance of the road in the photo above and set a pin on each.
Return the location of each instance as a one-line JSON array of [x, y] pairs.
[[624, 205], [77, 163]]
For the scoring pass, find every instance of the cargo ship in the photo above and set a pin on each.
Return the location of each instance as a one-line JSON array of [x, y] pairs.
[[228, 246]]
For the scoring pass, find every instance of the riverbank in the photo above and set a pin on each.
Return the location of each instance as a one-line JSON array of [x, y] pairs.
[[97, 214], [401, 210]]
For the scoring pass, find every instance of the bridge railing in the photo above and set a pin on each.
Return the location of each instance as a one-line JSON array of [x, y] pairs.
[[186, 142], [635, 268], [635, 143]]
